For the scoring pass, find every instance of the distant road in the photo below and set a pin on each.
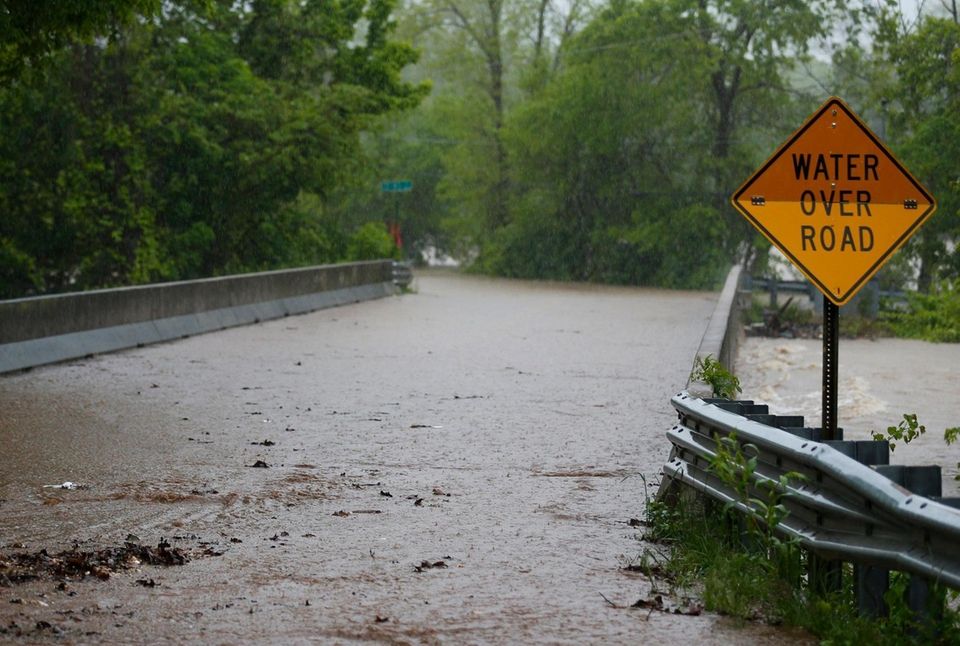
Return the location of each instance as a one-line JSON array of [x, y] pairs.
[[456, 465]]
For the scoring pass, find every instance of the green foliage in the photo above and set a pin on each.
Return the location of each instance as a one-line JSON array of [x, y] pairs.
[[177, 148], [575, 141], [706, 554], [31, 30], [745, 568], [906, 431], [931, 317], [370, 242], [586, 208], [710, 371], [951, 435], [909, 82], [759, 500]]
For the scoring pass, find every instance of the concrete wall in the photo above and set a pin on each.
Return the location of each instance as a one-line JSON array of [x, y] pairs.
[[722, 336], [45, 329]]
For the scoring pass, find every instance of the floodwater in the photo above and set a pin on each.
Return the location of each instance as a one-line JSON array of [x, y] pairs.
[[456, 465], [878, 381]]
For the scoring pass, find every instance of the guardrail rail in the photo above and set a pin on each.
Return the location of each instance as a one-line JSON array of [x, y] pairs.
[[849, 505]]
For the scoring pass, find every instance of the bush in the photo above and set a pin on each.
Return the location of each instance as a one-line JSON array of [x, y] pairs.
[[931, 317], [371, 242]]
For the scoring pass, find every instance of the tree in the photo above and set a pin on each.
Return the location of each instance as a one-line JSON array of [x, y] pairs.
[[926, 120], [751, 46], [160, 152], [30, 30], [606, 164], [485, 58], [657, 112]]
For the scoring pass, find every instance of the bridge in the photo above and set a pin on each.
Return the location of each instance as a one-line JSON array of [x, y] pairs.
[[462, 463]]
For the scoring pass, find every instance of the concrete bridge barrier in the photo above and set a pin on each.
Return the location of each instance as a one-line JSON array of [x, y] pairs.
[[46, 329]]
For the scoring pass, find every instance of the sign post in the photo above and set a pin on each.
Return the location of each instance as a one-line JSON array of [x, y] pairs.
[[399, 186], [396, 187], [838, 204]]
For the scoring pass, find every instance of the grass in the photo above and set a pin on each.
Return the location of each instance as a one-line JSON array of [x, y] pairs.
[[705, 556]]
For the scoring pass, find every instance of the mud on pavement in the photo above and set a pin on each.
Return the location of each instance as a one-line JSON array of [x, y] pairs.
[[464, 464]]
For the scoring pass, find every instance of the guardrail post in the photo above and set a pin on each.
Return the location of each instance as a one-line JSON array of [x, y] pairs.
[[870, 584], [824, 575], [924, 603]]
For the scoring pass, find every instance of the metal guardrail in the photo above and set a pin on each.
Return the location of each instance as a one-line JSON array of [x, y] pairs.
[[402, 274], [873, 294], [844, 508]]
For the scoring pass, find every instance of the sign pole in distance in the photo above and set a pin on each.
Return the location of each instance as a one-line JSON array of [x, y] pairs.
[[838, 204]]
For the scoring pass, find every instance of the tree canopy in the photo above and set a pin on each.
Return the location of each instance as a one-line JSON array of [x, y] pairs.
[[587, 140], [187, 145]]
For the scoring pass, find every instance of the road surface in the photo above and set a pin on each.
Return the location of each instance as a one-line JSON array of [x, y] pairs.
[[456, 465]]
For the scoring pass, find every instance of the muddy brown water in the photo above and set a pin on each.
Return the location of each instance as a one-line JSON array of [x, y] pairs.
[[878, 381], [457, 465]]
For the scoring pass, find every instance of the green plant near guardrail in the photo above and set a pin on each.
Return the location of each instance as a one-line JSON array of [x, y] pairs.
[[704, 555], [713, 373], [737, 470], [906, 431], [910, 429], [950, 436]]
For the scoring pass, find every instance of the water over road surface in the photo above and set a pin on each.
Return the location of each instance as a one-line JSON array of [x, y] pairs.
[[458, 465]]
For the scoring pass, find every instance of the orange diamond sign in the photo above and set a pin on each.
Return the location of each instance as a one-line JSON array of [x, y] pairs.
[[835, 201]]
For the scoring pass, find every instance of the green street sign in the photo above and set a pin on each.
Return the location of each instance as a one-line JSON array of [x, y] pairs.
[[399, 186]]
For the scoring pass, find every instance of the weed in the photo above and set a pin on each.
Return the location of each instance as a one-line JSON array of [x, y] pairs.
[[712, 372], [735, 558], [706, 556], [859, 327], [906, 431], [764, 499], [950, 436]]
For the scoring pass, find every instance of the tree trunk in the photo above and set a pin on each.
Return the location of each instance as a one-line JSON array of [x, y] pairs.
[[499, 215]]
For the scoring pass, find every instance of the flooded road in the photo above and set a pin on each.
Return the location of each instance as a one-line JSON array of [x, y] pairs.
[[457, 465], [878, 382]]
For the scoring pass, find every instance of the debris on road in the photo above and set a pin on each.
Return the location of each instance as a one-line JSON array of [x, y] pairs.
[[69, 486], [427, 565], [74, 563]]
